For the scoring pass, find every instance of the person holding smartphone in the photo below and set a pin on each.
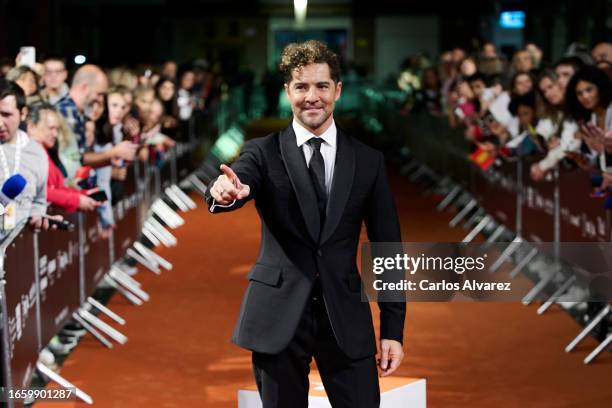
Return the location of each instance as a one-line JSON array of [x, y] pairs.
[[43, 124]]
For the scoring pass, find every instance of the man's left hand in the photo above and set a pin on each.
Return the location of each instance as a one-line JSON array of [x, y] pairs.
[[392, 355]]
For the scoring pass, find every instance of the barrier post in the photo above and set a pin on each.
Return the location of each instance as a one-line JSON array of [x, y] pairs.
[[82, 238], [519, 198], [557, 215], [37, 286], [7, 374]]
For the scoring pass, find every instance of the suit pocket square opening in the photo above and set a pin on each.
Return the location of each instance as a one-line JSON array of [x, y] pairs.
[[265, 274]]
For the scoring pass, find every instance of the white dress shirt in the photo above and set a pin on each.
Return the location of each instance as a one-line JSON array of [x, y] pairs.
[[328, 148]]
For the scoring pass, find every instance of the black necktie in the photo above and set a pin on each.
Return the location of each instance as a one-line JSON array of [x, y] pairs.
[[316, 168]]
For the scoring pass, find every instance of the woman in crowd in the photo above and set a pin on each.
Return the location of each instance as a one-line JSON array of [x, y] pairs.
[[429, 97], [589, 99], [28, 80], [112, 131], [143, 101], [558, 130], [521, 83], [44, 126], [165, 91], [185, 101]]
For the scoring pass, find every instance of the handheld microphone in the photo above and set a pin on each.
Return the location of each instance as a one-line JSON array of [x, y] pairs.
[[11, 188]]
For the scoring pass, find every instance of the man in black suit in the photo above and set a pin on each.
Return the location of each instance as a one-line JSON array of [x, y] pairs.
[[313, 186]]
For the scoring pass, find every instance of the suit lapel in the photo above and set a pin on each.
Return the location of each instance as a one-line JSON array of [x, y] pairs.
[[342, 182], [295, 164]]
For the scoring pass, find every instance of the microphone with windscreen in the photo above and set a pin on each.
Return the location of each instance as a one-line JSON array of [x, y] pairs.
[[11, 188]]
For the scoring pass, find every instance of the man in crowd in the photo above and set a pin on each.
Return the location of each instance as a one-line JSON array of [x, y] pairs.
[[21, 155], [54, 78], [565, 70], [602, 52], [89, 86]]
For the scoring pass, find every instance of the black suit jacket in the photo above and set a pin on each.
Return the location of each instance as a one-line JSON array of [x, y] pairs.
[[295, 248]]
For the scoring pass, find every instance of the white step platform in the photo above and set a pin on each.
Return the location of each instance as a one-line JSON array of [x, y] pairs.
[[396, 392]]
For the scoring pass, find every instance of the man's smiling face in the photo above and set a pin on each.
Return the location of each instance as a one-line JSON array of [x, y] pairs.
[[313, 95]]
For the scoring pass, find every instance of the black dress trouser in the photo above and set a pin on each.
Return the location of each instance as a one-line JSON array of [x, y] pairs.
[[282, 379]]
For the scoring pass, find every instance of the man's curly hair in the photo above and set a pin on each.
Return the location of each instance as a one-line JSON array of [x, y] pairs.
[[295, 56]]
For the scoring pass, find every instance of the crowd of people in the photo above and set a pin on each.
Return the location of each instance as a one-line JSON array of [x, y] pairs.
[[73, 136], [559, 112]]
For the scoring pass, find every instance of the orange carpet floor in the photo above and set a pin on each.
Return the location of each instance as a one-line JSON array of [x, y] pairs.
[[472, 354]]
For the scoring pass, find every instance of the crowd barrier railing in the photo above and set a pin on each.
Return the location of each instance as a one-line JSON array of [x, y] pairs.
[[49, 278], [505, 204]]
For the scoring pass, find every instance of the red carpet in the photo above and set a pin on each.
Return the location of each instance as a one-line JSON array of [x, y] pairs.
[[472, 355]]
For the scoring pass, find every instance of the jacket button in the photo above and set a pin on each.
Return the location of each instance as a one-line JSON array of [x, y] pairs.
[[319, 252]]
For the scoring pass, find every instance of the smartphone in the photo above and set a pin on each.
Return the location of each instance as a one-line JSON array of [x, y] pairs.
[[99, 195], [63, 225], [27, 56]]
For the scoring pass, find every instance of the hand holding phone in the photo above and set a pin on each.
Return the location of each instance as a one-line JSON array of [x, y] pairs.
[[97, 194]]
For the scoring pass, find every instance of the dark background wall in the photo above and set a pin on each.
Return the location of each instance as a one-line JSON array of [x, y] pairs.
[[236, 32]]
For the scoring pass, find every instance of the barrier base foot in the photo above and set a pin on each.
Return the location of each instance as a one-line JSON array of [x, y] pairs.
[[53, 376], [92, 330]]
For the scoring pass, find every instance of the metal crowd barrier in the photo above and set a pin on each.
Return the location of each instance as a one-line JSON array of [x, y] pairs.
[[506, 205], [48, 278]]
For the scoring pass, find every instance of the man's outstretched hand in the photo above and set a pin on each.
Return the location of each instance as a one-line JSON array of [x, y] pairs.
[[228, 187]]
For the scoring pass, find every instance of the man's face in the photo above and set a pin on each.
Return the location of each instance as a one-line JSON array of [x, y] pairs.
[[564, 74], [55, 74], [96, 92], [551, 91], [116, 108], [458, 55], [313, 95], [587, 94], [602, 52], [170, 69], [523, 61], [489, 51], [10, 117], [46, 130]]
